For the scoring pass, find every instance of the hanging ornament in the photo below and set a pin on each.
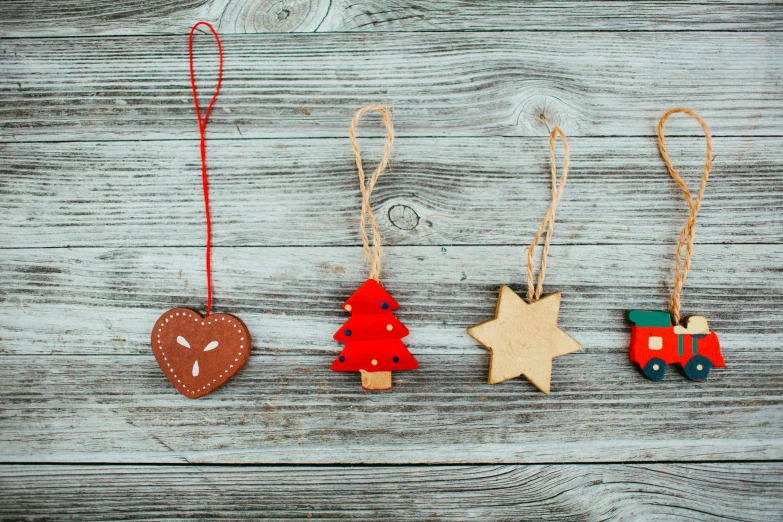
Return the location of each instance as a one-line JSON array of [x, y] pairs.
[[655, 341], [372, 334], [523, 338], [200, 353]]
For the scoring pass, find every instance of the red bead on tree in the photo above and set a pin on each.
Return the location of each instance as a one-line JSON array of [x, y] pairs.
[[372, 338]]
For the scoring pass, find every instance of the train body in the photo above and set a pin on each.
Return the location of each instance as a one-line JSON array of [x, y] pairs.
[[656, 343]]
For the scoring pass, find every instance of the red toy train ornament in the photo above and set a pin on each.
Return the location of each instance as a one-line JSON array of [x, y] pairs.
[[655, 342]]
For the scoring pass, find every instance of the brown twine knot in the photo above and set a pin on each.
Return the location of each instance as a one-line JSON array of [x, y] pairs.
[[548, 223], [687, 235], [374, 255]]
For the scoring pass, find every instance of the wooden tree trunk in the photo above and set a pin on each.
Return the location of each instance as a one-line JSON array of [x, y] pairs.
[[376, 380]]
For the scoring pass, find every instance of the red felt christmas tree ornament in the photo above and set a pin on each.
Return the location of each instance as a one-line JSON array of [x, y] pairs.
[[372, 334], [200, 353]]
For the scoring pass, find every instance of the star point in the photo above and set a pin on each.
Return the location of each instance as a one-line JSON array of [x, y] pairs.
[[523, 338]]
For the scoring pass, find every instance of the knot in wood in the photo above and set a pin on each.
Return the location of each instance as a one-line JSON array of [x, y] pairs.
[[274, 16], [285, 15], [403, 217], [540, 113]]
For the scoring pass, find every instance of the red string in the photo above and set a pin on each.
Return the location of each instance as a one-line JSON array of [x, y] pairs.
[[202, 126]]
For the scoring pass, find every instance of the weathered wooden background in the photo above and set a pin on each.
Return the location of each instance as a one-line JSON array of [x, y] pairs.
[[102, 230]]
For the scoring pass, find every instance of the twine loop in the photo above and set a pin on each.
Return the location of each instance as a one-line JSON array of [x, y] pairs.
[[534, 289], [202, 127], [374, 254], [687, 235]]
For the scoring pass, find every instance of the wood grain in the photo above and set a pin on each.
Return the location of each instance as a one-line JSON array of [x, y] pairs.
[[95, 392], [103, 229], [290, 409], [740, 491], [437, 84], [441, 290], [474, 191], [122, 17]]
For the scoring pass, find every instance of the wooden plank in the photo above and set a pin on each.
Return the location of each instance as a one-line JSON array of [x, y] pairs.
[[287, 408], [79, 385], [72, 18], [442, 290], [438, 84], [95, 393], [474, 191], [739, 491]]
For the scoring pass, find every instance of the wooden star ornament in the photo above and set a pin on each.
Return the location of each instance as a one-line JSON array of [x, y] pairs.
[[523, 338]]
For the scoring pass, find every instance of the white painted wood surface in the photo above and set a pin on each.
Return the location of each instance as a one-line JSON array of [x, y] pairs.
[[103, 230], [295, 192], [451, 84], [122, 17], [286, 398], [543, 492]]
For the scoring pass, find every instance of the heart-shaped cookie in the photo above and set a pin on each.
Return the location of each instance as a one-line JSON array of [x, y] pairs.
[[199, 354]]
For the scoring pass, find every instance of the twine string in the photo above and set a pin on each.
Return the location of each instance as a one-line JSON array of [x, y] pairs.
[[374, 254], [687, 235], [535, 288], [202, 126]]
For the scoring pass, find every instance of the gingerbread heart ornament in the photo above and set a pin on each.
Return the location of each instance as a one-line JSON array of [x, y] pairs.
[[199, 354]]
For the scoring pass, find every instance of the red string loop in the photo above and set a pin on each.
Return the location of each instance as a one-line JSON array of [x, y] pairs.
[[202, 126]]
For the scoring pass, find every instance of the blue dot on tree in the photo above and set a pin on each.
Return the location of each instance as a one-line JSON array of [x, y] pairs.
[[384, 305]]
